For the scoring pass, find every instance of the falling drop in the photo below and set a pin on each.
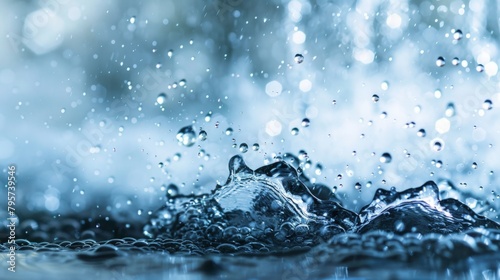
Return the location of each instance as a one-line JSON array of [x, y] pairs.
[[458, 34], [375, 98], [474, 165], [385, 158], [202, 135], [384, 85], [450, 110], [319, 169], [487, 104], [305, 122], [186, 136], [132, 20], [437, 144], [294, 131], [229, 131], [255, 147], [455, 61], [357, 186], [170, 53], [182, 82], [161, 98], [299, 58], [243, 147], [440, 62], [421, 132], [172, 190], [479, 68]]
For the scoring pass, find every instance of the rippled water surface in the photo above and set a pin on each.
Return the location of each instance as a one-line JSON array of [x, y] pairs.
[[303, 139]]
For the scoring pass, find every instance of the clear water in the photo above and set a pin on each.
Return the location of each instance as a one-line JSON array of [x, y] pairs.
[[361, 139]]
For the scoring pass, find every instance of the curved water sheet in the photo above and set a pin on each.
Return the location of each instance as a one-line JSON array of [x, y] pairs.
[[256, 210], [275, 208]]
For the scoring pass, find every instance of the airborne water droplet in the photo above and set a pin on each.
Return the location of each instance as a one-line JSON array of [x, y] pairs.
[[421, 133], [186, 136], [295, 131], [299, 58], [170, 53], [440, 62], [455, 61], [479, 68], [384, 85], [132, 20], [255, 147], [375, 98], [229, 131], [487, 105], [202, 135], [162, 97], [458, 34], [305, 122], [437, 144], [450, 110], [243, 147], [385, 158]]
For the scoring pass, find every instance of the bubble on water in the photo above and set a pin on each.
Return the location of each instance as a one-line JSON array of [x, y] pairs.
[[186, 136], [299, 58], [161, 98], [255, 147], [384, 85], [455, 61], [474, 165], [440, 62], [305, 122], [202, 135], [487, 104], [457, 35], [421, 132], [450, 110], [385, 158], [437, 144], [243, 147], [294, 131], [375, 98], [170, 53], [229, 131], [480, 68]]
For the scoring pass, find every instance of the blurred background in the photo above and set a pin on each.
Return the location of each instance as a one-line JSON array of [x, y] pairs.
[[368, 94]]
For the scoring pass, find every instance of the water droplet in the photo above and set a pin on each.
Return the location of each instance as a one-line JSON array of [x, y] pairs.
[[299, 58], [458, 34], [440, 62], [339, 177], [132, 20], [357, 186], [375, 98], [158, 65], [384, 85], [385, 158], [229, 131], [182, 82], [437, 144], [474, 165], [479, 68], [186, 136], [421, 132], [208, 117], [439, 164], [305, 122], [177, 157], [450, 110], [172, 190], [487, 104], [455, 61], [294, 131], [243, 147], [202, 135], [161, 98], [170, 53], [319, 169], [255, 147]]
